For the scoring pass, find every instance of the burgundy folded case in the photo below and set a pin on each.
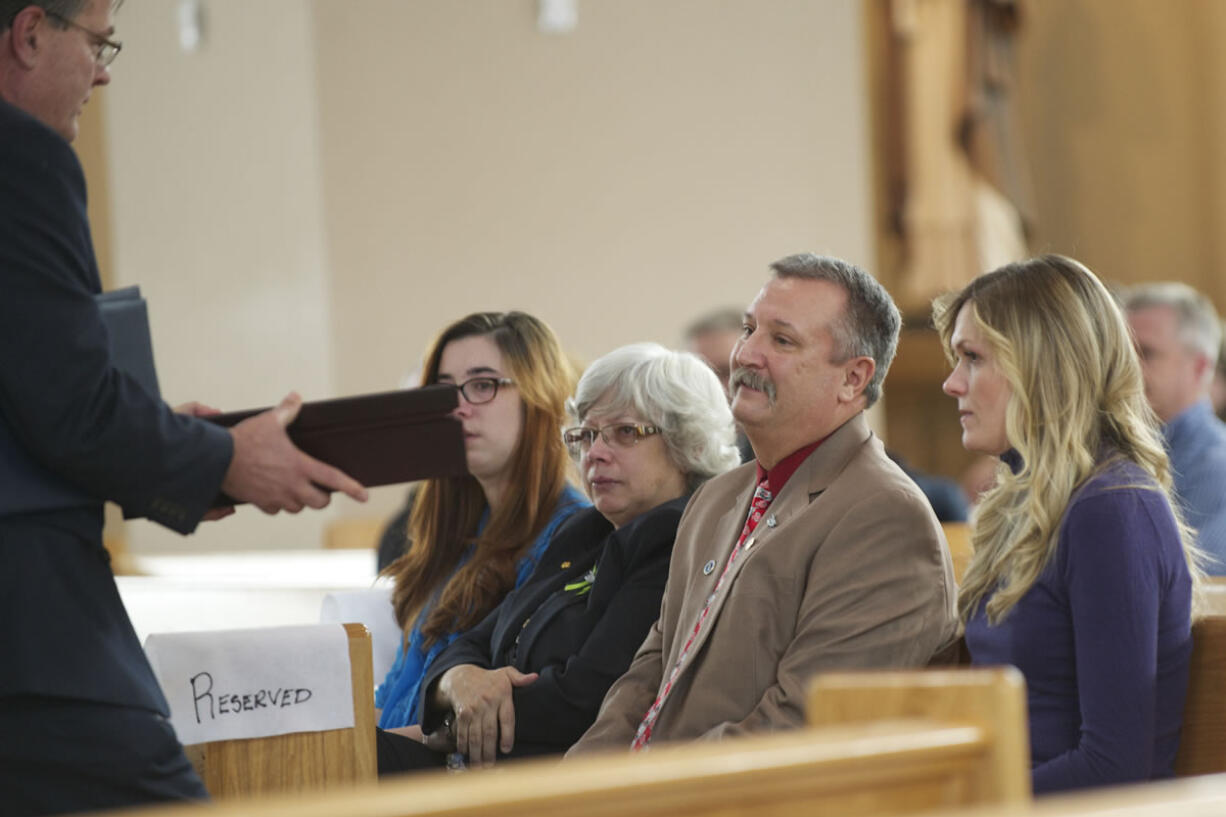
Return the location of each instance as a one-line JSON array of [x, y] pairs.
[[378, 439]]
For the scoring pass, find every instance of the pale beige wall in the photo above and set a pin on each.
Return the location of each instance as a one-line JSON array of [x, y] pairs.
[[616, 181], [217, 214]]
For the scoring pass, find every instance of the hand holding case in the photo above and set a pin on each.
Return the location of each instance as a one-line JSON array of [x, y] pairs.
[[378, 439]]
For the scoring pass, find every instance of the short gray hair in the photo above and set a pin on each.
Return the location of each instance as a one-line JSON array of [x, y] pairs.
[[871, 321], [67, 9], [675, 391], [721, 320], [1196, 320]]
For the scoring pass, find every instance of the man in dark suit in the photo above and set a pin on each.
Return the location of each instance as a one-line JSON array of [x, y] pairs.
[[82, 720]]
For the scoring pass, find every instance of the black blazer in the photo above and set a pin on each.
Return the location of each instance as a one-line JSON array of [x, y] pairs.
[[64, 409], [580, 637]]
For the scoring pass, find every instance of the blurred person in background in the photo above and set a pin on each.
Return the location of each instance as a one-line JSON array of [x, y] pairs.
[[1178, 337], [712, 337]]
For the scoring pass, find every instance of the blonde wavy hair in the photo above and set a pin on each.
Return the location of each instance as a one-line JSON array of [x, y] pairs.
[[1060, 340]]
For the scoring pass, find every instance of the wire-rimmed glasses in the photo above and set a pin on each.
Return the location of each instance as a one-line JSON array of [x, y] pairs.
[[105, 49], [618, 435]]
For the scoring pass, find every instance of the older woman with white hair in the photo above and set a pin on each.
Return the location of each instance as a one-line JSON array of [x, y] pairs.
[[652, 425]]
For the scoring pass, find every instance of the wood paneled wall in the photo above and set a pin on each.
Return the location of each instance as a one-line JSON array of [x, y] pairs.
[[1123, 111], [1124, 106]]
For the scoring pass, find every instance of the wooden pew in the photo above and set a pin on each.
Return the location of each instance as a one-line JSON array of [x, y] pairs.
[[1203, 796], [958, 536], [918, 757], [1202, 743], [302, 761], [991, 698], [1202, 749], [1214, 594]]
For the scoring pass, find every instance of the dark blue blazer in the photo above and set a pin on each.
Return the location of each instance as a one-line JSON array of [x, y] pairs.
[[579, 635], [81, 430]]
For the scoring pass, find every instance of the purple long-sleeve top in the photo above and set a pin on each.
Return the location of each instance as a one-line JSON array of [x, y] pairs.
[[1103, 638]]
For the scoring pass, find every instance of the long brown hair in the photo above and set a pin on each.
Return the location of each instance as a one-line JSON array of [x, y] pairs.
[[446, 513]]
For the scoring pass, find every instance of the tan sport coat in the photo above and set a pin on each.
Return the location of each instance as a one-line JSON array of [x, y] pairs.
[[854, 573]]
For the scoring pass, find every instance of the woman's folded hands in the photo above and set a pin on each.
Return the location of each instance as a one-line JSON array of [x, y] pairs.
[[483, 711]]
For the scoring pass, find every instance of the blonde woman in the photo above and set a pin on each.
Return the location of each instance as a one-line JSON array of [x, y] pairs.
[[1083, 574]]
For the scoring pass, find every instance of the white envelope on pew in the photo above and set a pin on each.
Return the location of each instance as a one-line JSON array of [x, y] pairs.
[[237, 684]]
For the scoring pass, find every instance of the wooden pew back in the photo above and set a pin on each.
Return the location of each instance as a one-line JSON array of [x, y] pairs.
[[905, 765], [992, 699], [1214, 596], [958, 537], [1202, 742], [301, 761], [1203, 796]]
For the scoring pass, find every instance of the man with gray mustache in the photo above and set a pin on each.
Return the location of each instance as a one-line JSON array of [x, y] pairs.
[[754, 380], [821, 555]]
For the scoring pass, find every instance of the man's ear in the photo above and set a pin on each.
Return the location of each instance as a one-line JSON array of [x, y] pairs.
[[857, 373], [1201, 367], [26, 35]]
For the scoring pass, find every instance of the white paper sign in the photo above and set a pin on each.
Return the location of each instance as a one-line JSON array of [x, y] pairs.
[[372, 607], [232, 684]]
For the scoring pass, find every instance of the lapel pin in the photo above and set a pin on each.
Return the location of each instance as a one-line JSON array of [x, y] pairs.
[[565, 565], [708, 568], [770, 521]]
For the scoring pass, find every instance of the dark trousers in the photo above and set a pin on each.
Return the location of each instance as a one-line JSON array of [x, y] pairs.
[[398, 754], [59, 755]]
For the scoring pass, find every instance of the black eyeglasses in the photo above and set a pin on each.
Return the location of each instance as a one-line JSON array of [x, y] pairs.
[[480, 390], [105, 49], [620, 435]]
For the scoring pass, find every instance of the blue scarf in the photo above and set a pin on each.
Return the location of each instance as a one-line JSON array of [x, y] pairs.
[[400, 692]]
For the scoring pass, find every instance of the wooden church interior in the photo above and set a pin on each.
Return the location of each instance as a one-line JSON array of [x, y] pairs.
[[309, 193]]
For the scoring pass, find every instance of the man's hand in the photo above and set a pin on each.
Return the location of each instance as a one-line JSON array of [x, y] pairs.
[[270, 473], [484, 710]]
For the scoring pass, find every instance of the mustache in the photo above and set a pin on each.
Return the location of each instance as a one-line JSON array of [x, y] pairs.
[[742, 376]]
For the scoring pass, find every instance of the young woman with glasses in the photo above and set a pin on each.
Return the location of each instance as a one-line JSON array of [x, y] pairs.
[[652, 425], [474, 538]]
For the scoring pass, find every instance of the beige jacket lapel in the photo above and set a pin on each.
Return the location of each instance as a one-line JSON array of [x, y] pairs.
[[814, 476], [832, 456], [702, 584]]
